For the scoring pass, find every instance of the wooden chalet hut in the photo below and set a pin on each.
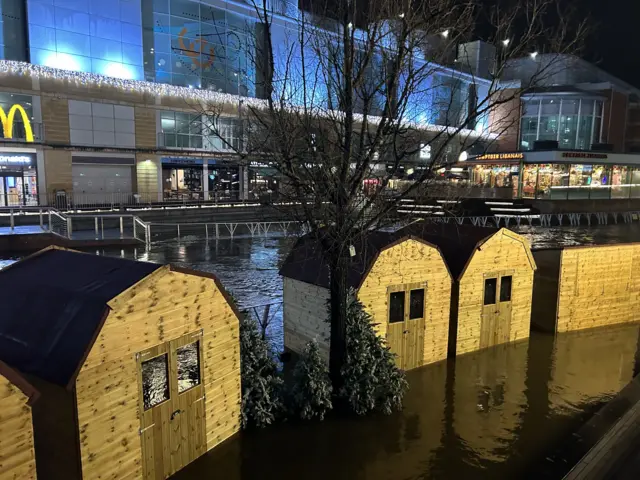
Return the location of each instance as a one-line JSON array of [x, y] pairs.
[[493, 271], [137, 364], [402, 281], [17, 456], [587, 287]]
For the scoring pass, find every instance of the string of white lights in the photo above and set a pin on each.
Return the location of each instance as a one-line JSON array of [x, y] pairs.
[[202, 96]]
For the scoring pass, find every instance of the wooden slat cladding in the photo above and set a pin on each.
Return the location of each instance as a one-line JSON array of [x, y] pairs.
[[406, 263], [55, 115], [305, 316], [412, 262], [503, 252], [17, 458], [598, 286], [165, 306]]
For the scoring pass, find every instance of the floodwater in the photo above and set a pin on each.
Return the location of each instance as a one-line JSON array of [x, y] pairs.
[[504, 412]]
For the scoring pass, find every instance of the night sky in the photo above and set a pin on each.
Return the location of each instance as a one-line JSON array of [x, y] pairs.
[[614, 43]]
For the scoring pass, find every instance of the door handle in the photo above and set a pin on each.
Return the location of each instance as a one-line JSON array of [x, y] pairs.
[[175, 414]]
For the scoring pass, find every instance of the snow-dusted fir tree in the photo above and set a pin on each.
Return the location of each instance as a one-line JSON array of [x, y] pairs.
[[261, 381], [371, 381], [311, 392]]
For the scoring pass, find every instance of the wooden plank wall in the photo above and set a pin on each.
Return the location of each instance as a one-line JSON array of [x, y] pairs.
[[412, 262], [598, 286], [17, 458], [503, 251], [163, 307], [305, 316]]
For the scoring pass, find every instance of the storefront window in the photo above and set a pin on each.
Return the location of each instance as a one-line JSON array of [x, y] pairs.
[[529, 181], [620, 182], [18, 179], [600, 182], [568, 124], [579, 181], [635, 183]]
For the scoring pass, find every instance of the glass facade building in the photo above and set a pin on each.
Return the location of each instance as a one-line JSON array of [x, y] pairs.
[[196, 45], [93, 36], [574, 122]]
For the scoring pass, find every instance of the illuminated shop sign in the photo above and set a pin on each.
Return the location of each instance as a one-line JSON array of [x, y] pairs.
[[15, 160], [584, 155], [501, 156], [7, 122]]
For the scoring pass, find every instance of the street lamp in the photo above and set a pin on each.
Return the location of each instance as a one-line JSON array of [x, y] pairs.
[[506, 42], [445, 34], [533, 55]]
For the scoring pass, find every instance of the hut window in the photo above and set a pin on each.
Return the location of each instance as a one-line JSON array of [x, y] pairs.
[[155, 381], [505, 289], [396, 307], [490, 285], [188, 367], [416, 304]]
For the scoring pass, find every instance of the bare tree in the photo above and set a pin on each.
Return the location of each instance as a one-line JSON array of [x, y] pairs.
[[358, 88]]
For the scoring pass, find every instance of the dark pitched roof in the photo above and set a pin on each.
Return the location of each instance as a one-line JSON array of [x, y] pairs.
[[456, 242], [53, 303], [307, 263]]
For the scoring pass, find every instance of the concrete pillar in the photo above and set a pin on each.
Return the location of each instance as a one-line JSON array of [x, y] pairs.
[[205, 178]]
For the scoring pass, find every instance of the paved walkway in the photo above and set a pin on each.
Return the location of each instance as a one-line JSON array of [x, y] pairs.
[[617, 454], [21, 230]]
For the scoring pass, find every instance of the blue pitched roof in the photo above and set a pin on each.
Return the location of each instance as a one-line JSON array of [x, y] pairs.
[[52, 305]]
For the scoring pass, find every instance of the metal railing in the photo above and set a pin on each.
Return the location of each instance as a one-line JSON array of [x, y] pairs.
[[20, 134], [223, 230], [78, 226]]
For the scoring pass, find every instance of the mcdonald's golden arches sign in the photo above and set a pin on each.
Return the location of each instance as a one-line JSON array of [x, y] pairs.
[[8, 119]]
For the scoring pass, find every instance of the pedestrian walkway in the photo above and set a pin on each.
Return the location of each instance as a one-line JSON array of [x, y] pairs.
[[617, 454], [22, 230]]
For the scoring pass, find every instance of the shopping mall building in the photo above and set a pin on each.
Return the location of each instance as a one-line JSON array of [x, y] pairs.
[[99, 97], [575, 136]]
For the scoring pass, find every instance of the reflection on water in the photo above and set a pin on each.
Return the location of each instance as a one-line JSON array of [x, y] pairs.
[[492, 414]]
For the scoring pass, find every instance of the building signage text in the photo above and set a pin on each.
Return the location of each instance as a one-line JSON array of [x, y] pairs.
[[15, 160], [8, 120], [501, 156], [584, 155]]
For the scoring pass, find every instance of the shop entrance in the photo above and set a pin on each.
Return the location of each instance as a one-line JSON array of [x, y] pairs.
[[17, 190]]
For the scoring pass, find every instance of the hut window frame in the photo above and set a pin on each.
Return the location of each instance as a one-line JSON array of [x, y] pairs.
[[148, 405], [405, 292], [197, 366], [398, 294], [422, 303], [505, 296], [491, 299]]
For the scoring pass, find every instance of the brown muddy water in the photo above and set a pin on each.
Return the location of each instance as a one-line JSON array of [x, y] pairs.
[[505, 412]]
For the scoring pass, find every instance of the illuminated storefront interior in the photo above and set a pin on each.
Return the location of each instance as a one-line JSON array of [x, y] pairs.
[[585, 178]]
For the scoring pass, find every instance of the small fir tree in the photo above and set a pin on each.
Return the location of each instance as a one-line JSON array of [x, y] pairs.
[[371, 381], [261, 381], [311, 393]]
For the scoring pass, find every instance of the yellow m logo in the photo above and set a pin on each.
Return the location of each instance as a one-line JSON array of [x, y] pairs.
[[7, 122]]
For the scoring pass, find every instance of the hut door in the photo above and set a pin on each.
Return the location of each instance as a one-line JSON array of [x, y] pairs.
[[156, 409], [496, 310], [188, 435], [406, 324], [172, 405]]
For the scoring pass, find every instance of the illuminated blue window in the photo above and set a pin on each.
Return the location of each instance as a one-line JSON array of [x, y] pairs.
[[105, 9], [78, 5], [41, 37], [99, 36], [106, 49], [106, 28], [71, 20], [74, 43]]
